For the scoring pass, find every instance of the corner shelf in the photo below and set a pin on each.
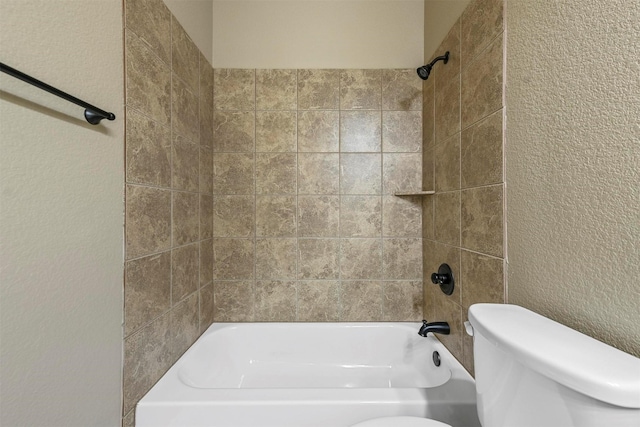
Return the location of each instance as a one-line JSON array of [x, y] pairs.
[[413, 193]]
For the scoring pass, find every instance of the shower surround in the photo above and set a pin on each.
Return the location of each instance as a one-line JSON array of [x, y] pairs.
[[305, 223], [260, 195]]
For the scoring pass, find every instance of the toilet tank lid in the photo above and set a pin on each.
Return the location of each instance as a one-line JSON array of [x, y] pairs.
[[560, 353]]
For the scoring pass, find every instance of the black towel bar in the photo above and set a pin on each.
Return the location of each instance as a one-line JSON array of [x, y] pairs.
[[91, 113]]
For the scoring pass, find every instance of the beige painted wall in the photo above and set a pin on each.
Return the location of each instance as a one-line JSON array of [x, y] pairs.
[[317, 33], [439, 17], [61, 216], [573, 102], [196, 17]]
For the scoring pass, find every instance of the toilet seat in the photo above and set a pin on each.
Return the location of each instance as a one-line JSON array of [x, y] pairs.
[[401, 422]]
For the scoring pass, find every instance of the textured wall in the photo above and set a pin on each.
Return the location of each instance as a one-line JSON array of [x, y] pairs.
[[168, 246], [573, 159], [61, 185], [317, 33], [463, 163], [305, 224]]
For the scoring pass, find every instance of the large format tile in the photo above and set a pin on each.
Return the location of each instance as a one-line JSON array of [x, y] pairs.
[[401, 172], [276, 89], [446, 157], [233, 301], [206, 307], [148, 151], [447, 109], [318, 173], [402, 216], [206, 262], [147, 287], [318, 89], [233, 173], [185, 218], [360, 174], [148, 220], [151, 21], [234, 131], [276, 216], [276, 258], [185, 56], [360, 216], [318, 131], [360, 259], [318, 216], [318, 301], [402, 301], [482, 225], [482, 21], [361, 301], [402, 259], [233, 216], [401, 131], [318, 259], [276, 131], [481, 154], [276, 173], [275, 301], [360, 131], [401, 90], [186, 164], [483, 279], [233, 259], [185, 325], [360, 89], [185, 272], [447, 217], [234, 89]]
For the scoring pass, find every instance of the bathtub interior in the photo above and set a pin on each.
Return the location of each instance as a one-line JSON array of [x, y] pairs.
[[269, 356]]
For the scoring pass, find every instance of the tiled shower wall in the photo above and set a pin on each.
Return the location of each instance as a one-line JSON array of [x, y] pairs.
[[305, 223], [169, 203], [464, 163]]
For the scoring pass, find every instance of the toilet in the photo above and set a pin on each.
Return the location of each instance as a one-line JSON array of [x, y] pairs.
[[533, 372]]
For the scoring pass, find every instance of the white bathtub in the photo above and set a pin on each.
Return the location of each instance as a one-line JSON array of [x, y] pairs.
[[309, 374]]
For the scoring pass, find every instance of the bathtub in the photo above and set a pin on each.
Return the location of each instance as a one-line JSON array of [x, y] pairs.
[[309, 375]]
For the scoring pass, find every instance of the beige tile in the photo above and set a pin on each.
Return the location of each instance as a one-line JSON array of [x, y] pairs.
[[146, 358], [360, 174], [276, 173], [185, 115], [402, 216], [148, 220], [445, 72], [318, 259], [185, 222], [428, 231], [318, 216], [148, 82], [402, 301], [447, 109], [402, 259], [482, 21], [233, 259], [233, 216], [483, 279], [481, 152], [206, 103], [206, 170], [234, 89], [436, 254], [401, 172], [428, 169], [206, 217], [318, 301], [401, 90], [361, 301], [148, 151], [206, 262], [276, 131], [233, 131], [206, 307], [482, 226], [276, 258], [318, 173], [447, 217], [233, 173], [428, 115], [360, 89], [151, 21], [276, 216], [185, 56], [318, 89], [452, 313], [233, 301], [147, 290], [185, 325], [185, 272], [360, 216], [482, 84], [401, 131], [360, 259], [360, 131], [446, 157], [186, 164], [467, 354], [276, 89], [129, 420], [275, 301], [318, 131]]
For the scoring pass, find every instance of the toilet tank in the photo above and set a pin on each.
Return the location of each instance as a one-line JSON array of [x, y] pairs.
[[533, 372]]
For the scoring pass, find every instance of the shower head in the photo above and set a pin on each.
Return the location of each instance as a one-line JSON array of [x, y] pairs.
[[425, 70]]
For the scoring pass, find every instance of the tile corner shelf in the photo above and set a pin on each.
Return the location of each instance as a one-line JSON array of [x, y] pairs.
[[413, 193]]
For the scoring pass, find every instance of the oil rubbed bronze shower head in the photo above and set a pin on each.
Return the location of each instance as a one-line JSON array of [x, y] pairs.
[[425, 70]]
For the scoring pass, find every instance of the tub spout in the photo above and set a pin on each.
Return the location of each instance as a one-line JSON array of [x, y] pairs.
[[434, 327]]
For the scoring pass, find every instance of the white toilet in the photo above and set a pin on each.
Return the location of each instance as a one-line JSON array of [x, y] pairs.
[[534, 372]]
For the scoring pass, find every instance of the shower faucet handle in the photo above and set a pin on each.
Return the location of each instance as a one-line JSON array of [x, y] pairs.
[[444, 278]]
